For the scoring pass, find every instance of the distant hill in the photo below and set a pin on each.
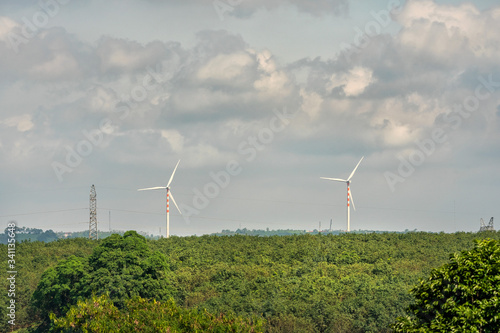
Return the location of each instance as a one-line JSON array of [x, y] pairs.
[[291, 232], [30, 234], [34, 235]]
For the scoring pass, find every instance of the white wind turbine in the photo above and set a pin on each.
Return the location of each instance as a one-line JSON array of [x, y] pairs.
[[168, 196], [349, 194]]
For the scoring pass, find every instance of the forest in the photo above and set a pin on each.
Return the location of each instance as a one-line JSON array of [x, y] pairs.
[[299, 283]]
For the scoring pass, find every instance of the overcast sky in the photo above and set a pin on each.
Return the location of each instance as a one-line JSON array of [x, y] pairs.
[[258, 99]]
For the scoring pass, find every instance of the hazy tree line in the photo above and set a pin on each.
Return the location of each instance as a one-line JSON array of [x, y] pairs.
[[30, 234], [299, 283]]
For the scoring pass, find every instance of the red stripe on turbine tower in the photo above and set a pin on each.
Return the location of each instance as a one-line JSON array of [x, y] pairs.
[[348, 196], [349, 199], [167, 188]]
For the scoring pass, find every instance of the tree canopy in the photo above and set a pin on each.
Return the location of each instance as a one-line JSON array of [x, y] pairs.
[[99, 314], [461, 296], [303, 283], [122, 267]]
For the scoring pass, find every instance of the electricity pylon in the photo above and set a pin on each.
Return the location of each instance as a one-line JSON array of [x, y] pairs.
[[93, 214]]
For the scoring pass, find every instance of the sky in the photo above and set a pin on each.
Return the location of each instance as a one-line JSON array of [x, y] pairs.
[[258, 99]]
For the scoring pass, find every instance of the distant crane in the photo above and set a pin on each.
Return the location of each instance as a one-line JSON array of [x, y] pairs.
[[168, 196], [488, 227], [349, 194]]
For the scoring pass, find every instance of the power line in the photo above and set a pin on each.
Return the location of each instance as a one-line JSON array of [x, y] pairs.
[[308, 203], [44, 212], [132, 211], [280, 201]]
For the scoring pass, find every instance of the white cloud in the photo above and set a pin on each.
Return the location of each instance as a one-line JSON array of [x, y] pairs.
[[6, 27], [266, 61], [311, 103], [122, 55], [61, 64], [272, 82], [445, 31], [22, 123], [313, 7], [199, 100], [226, 67], [175, 139], [353, 83], [101, 98], [398, 135]]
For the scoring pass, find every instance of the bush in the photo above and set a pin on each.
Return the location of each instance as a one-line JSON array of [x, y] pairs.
[[461, 296]]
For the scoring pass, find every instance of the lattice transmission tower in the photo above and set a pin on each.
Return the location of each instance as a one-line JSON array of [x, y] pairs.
[[93, 214], [488, 227]]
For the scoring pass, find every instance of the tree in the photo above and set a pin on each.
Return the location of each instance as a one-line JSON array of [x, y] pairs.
[[47, 236], [99, 314], [60, 287], [122, 267], [461, 296]]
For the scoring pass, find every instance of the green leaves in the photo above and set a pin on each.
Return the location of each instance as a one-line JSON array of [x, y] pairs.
[[99, 314], [308, 283], [461, 296], [58, 287], [122, 267]]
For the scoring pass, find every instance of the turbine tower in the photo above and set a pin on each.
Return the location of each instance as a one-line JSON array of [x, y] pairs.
[[349, 194], [168, 197], [93, 214]]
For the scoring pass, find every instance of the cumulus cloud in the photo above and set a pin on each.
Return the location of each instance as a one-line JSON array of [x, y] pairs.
[[51, 55], [227, 68], [448, 31], [102, 98], [313, 7], [7, 25], [393, 90], [272, 82], [352, 83], [122, 55], [245, 9], [22, 123], [175, 139], [312, 103]]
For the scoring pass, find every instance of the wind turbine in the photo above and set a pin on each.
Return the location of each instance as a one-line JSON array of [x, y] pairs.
[[168, 196], [349, 194]]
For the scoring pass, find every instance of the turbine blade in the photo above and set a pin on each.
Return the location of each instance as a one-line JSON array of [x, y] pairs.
[[152, 188], [353, 171], [173, 200], [352, 200], [335, 179], [172, 177]]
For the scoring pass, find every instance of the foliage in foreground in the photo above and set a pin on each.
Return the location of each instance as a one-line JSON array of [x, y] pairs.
[[307, 283], [461, 296], [99, 314]]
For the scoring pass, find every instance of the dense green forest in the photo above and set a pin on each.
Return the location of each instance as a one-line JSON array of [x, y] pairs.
[[300, 283], [29, 234], [34, 234]]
